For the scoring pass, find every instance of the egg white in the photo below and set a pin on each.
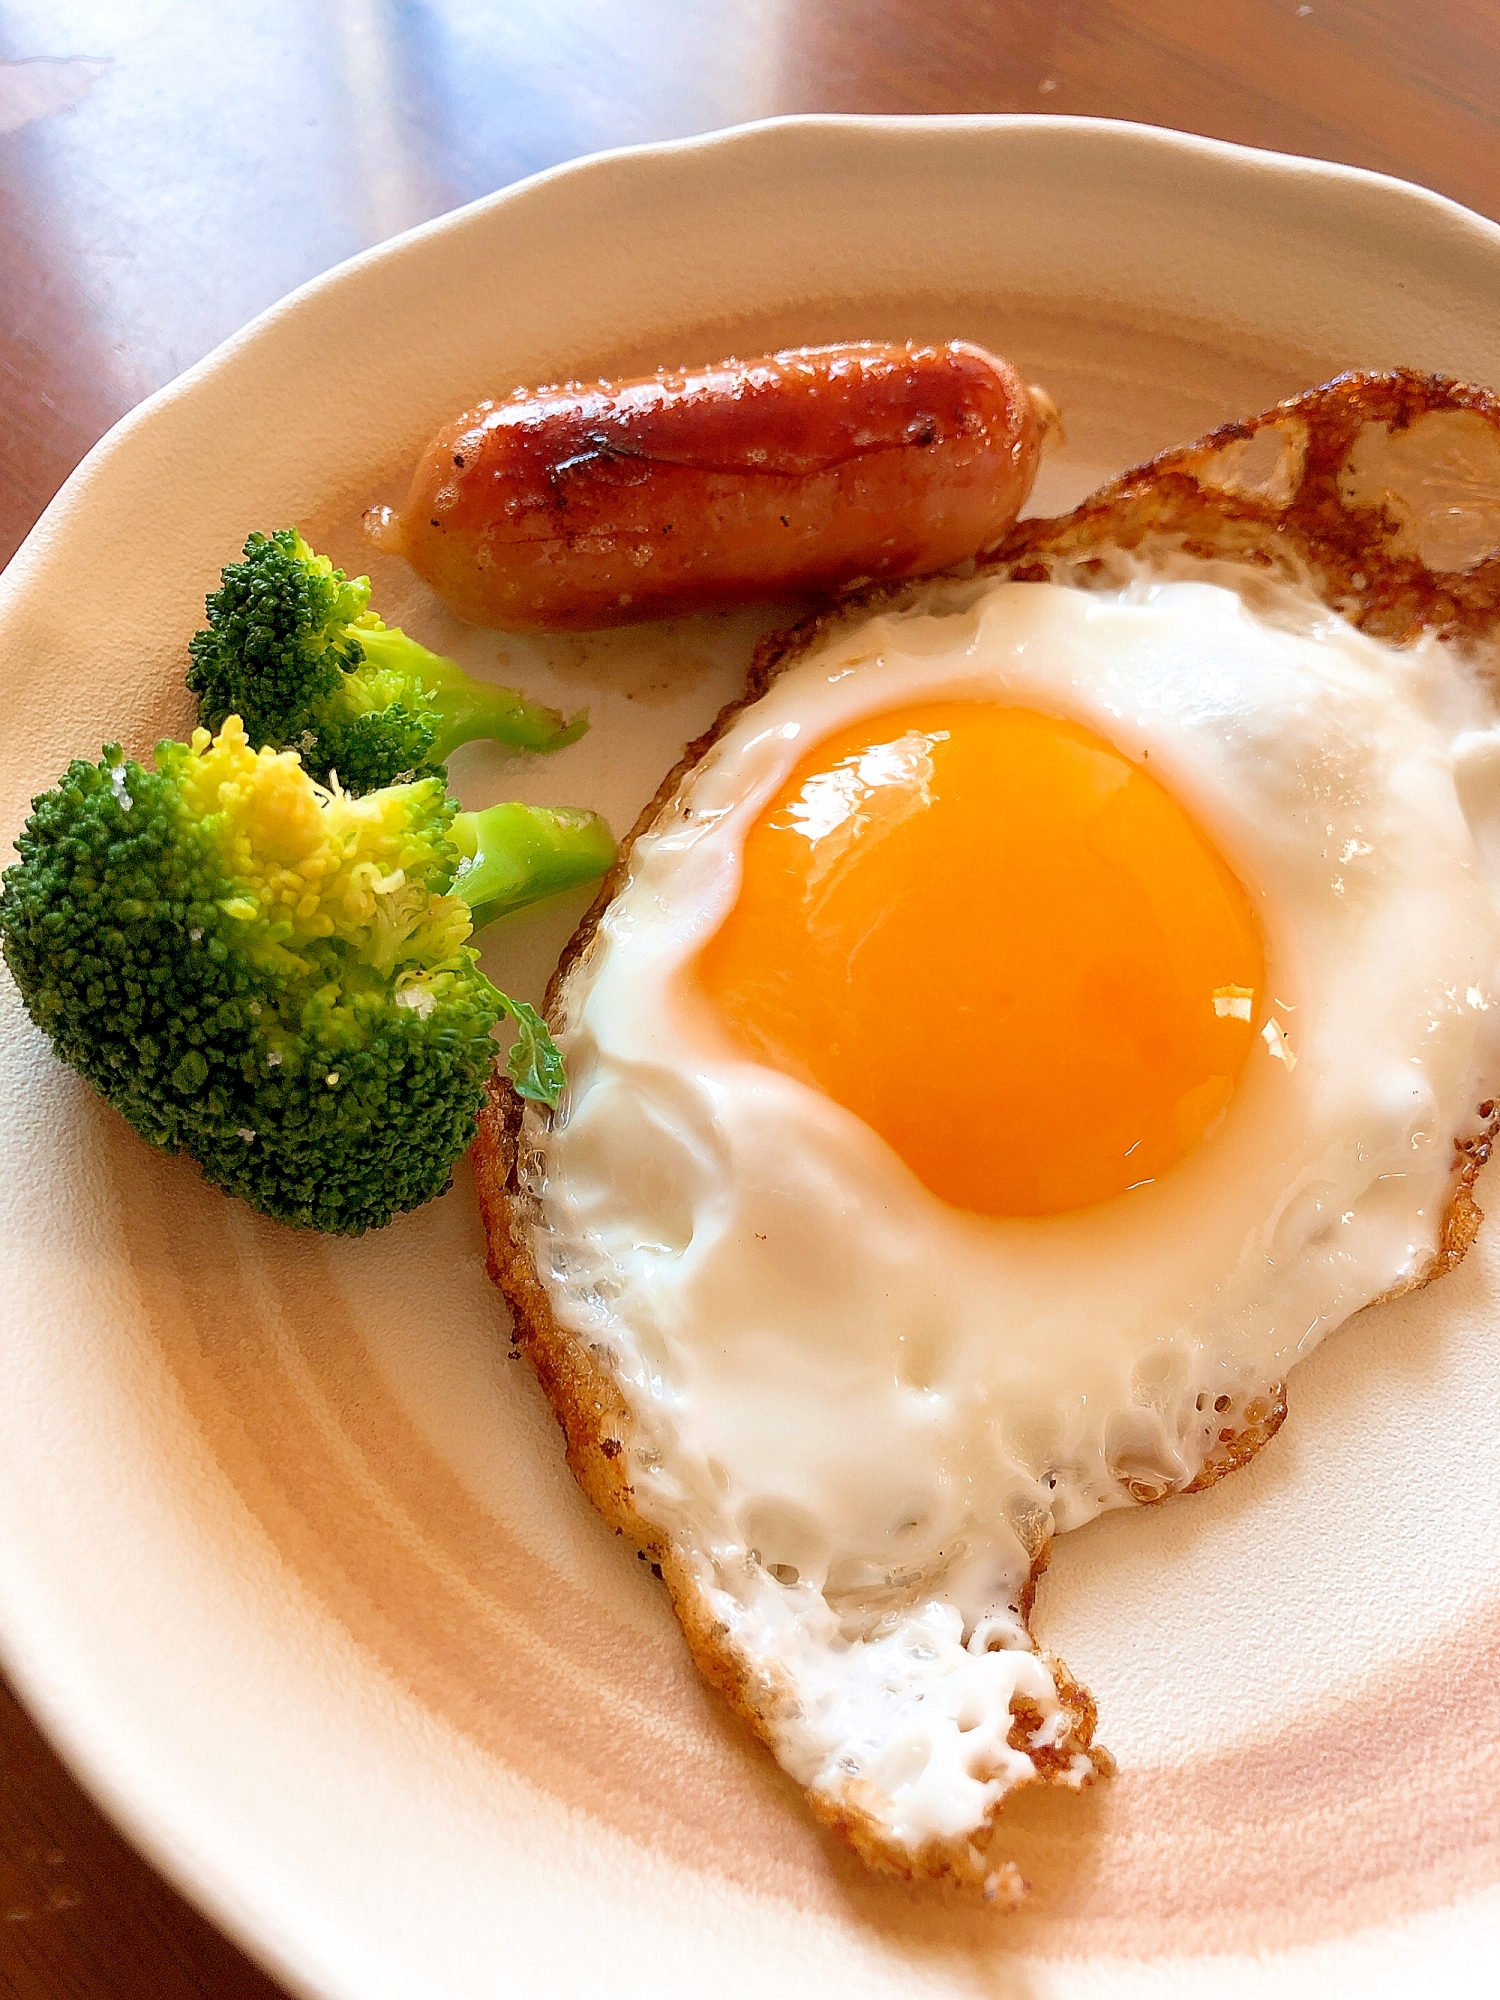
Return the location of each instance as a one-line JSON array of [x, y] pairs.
[[859, 1413]]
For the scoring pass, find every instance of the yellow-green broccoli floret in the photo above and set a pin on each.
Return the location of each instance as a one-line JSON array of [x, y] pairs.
[[293, 648], [276, 977]]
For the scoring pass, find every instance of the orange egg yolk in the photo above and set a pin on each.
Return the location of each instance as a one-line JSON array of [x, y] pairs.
[[1000, 943]]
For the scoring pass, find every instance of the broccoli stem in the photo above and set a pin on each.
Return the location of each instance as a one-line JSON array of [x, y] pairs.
[[518, 854], [468, 709], [500, 715]]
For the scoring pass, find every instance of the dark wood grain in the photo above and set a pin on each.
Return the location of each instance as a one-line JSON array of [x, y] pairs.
[[81, 1915], [161, 182]]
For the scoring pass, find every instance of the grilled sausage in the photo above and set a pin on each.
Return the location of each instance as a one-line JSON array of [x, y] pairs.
[[800, 472]]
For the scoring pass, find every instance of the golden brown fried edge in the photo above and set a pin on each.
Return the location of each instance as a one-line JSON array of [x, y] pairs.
[[1277, 505]]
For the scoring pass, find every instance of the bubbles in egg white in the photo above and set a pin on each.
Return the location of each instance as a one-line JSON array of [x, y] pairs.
[[859, 1413]]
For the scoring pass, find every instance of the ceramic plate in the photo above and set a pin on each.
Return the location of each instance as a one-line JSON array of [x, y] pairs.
[[290, 1565]]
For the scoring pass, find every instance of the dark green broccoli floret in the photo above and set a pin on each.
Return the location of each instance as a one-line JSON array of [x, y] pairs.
[[277, 978], [293, 648]]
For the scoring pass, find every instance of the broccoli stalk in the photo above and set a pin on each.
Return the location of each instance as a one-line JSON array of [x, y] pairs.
[[276, 977], [292, 648], [514, 855], [459, 708]]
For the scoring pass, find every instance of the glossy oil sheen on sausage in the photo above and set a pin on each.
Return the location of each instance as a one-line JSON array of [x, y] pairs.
[[800, 472]]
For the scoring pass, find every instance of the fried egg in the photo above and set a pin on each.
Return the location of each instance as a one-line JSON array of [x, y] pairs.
[[1029, 1029]]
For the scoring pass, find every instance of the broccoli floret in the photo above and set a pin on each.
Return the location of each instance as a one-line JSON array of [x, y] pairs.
[[276, 977], [293, 648]]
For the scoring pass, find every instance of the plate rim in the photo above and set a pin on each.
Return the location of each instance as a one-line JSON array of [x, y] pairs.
[[1231, 154]]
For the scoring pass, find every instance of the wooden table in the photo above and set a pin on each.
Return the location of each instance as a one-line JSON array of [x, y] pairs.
[[167, 172]]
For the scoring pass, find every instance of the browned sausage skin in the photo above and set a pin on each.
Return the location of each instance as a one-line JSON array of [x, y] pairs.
[[799, 472]]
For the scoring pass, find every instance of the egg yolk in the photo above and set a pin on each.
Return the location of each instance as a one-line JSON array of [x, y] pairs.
[[1000, 943]]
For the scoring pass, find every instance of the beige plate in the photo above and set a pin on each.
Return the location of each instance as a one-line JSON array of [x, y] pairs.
[[290, 1565]]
